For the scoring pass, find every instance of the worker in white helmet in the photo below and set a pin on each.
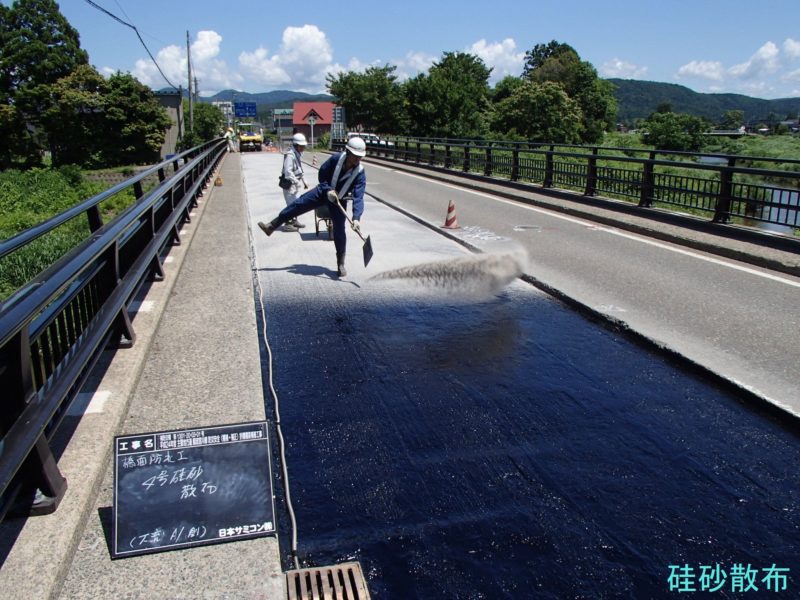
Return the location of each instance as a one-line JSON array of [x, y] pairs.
[[293, 172], [230, 137], [340, 176]]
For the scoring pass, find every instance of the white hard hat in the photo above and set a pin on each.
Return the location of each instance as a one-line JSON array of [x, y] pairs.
[[299, 139], [355, 145]]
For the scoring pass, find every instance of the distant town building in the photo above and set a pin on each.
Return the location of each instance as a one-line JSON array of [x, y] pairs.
[[171, 101], [325, 116], [226, 106]]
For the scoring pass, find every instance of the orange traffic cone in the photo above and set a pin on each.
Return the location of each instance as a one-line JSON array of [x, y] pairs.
[[450, 221]]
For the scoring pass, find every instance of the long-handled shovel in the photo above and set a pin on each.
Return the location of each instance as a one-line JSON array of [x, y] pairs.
[[367, 242]]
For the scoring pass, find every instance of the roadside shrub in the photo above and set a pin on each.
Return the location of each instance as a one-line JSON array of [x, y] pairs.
[[28, 198]]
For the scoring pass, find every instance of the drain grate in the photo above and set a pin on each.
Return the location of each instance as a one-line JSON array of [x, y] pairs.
[[339, 582]]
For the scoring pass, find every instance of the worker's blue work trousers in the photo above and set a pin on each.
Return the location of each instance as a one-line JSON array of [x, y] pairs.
[[311, 200]]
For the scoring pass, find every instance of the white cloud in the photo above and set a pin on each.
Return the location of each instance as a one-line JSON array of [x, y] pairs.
[[704, 69], [622, 69], [502, 57], [211, 72], [764, 61], [263, 68], [412, 64], [759, 76], [791, 48], [301, 63]]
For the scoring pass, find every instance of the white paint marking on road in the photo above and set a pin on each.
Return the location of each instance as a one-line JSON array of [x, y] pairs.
[[87, 403], [610, 230], [142, 306], [610, 308], [169, 259]]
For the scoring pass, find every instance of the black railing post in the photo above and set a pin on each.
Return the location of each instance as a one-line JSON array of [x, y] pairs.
[[722, 208], [466, 158], [487, 167], [39, 470], [591, 174], [432, 154], [448, 157], [548, 168], [108, 280], [515, 164], [95, 220], [646, 189], [418, 154]]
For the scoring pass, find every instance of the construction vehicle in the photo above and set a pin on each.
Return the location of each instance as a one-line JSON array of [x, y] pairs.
[[251, 136]]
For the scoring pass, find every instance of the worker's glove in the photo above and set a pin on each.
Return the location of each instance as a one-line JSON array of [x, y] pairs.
[[333, 197], [357, 226]]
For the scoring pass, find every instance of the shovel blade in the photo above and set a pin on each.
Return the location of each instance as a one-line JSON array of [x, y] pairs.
[[367, 251]]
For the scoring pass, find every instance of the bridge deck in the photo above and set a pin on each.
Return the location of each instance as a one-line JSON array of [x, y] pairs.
[[196, 362]]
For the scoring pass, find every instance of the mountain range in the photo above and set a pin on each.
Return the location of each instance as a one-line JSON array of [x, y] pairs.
[[638, 99], [635, 100], [267, 100]]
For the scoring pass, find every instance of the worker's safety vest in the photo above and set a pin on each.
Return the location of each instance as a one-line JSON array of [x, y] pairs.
[[350, 178]]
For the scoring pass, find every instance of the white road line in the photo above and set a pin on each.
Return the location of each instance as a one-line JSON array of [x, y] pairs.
[[87, 403], [617, 232]]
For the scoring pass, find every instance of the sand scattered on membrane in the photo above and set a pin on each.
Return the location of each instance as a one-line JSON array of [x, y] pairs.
[[467, 277]]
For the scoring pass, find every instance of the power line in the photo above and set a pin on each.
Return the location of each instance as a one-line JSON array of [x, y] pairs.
[[116, 18]]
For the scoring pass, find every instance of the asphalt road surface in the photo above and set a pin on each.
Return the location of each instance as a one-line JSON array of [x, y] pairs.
[[735, 319]]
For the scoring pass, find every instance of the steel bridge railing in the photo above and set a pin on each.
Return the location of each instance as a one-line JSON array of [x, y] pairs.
[[54, 329], [724, 187]]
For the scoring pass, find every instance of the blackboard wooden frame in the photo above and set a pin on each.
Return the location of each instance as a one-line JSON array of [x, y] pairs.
[[191, 487]]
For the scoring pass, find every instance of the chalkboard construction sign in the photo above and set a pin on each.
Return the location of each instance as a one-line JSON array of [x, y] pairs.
[[191, 487]]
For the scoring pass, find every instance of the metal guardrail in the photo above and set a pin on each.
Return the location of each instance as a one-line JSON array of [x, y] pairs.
[[54, 329], [720, 185]]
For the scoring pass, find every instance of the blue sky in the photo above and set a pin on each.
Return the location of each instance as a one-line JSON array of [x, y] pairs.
[[735, 46]]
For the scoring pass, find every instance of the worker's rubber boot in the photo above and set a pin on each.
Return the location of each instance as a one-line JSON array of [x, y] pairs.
[[267, 228], [340, 265]]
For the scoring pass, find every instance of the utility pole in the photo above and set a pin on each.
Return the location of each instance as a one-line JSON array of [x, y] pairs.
[[189, 64]]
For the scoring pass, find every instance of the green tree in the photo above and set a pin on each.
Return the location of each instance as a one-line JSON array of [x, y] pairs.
[[135, 122], [372, 100], [733, 119], [451, 100], [74, 121], [506, 87], [208, 124], [40, 47], [9, 117], [536, 57], [541, 112], [674, 131], [561, 64]]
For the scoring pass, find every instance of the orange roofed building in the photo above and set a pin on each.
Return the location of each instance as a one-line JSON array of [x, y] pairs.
[[326, 115]]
